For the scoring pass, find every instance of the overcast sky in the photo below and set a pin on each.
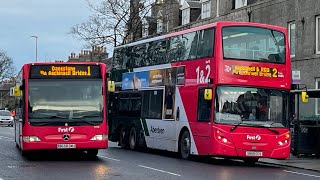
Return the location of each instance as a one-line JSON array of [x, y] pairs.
[[50, 20]]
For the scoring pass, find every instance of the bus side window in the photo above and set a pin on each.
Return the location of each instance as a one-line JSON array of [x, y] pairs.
[[205, 43], [204, 107], [152, 104], [123, 104], [135, 104]]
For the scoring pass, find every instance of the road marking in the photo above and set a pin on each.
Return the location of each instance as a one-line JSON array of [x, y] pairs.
[[301, 173], [109, 158], [1, 179], [159, 170], [6, 137]]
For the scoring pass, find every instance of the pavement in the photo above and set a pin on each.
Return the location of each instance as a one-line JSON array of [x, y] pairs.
[[117, 163], [308, 163]]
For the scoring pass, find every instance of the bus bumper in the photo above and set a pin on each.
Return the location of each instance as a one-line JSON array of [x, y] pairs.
[[279, 153], [65, 145]]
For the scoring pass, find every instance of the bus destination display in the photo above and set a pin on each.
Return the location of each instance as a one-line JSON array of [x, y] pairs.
[[64, 71]]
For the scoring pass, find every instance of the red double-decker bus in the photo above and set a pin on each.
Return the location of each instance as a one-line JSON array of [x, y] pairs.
[[61, 106], [220, 89]]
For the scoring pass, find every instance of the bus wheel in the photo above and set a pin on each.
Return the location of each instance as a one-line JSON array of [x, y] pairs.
[[92, 153], [250, 161], [185, 145], [24, 153], [133, 139], [122, 139]]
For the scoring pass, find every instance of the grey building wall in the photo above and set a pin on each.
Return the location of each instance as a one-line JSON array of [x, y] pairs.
[[171, 14]]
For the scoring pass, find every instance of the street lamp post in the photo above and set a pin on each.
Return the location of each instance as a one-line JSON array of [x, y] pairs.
[[36, 37]]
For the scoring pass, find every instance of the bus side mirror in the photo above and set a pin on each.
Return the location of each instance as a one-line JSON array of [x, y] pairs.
[[304, 97], [111, 86], [16, 91], [208, 94]]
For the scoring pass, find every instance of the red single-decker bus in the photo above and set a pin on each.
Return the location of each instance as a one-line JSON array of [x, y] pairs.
[[61, 106]]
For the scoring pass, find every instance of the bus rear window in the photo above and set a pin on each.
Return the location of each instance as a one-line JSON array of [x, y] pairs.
[[253, 43]]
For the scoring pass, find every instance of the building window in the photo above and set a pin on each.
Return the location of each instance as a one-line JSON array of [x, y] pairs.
[[160, 1], [145, 28], [317, 107], [292, 38], [318, 34], [185, 16], [159, 25], [206, 9], [239, 3]]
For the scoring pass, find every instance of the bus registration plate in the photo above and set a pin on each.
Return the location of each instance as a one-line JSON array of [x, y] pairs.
[[253, 153], [66, 146]]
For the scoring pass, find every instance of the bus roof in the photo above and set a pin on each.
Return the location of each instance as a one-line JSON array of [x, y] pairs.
[[220, 23]]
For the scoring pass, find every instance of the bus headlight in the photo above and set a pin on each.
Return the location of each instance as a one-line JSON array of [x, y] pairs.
[[31, 139], [285, 142], [99, 137]]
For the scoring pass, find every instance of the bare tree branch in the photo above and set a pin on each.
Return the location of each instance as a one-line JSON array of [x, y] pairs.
[[7, 70], [112, 21]]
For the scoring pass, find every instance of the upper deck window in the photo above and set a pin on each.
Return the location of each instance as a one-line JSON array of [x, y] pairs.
[[253, 43], [188, 46]]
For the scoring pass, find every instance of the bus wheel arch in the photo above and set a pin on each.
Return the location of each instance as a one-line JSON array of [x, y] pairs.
[[184, 143]]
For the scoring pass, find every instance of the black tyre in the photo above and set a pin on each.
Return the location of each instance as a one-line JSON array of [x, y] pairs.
[[123, 140], [250, 161], [185, 145], [133, 140], [24, 153], [92, 153]]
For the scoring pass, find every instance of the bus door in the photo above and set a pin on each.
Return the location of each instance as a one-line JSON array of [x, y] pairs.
[[18, 120], [203, 126]]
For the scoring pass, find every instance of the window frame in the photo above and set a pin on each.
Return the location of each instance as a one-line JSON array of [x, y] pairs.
[[185, 16], [317, 34], [289, 37], [159, 25], [217, 8], [145, 28], [206, 12], [317, 100], [237, 2]]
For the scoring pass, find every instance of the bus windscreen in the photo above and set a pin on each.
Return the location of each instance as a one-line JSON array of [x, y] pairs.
[[253, 43]]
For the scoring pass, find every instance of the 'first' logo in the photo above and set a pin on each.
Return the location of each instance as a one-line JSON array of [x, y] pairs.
[[66, 130], [257, 137]]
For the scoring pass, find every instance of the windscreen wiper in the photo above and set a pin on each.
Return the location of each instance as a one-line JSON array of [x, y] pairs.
[[235, 127], [272, 130], [275, 131], [84, 116]]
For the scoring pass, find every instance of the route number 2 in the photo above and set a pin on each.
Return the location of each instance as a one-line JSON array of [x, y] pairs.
[[203, 74]]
